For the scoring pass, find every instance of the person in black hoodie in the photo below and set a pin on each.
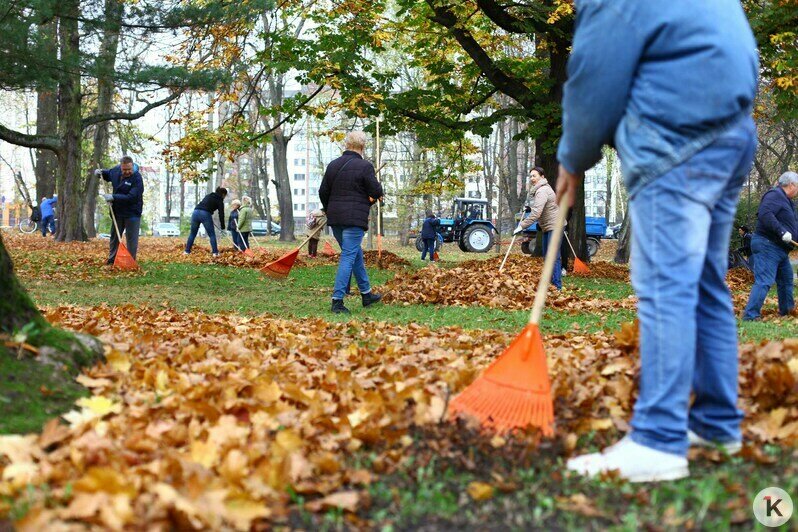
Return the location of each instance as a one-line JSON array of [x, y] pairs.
[[203, 214], [776, 230], [126, 202], [429, 234], [347, 191]]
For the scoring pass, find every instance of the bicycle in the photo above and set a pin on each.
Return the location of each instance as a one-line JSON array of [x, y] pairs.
[[27, 226]]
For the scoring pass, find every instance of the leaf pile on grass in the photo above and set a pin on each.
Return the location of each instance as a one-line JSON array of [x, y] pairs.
[[740, 279], [201, 421], [479, 283]]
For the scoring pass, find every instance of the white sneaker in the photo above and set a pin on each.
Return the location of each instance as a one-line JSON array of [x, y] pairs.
[[185, 253], [564, 272], [215, 255], [730, 448], [634, 462]]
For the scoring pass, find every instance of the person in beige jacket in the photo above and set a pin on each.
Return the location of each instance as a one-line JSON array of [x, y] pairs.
[[544, 211]]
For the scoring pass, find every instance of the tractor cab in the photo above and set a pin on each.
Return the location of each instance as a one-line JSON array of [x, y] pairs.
[[468, 226]]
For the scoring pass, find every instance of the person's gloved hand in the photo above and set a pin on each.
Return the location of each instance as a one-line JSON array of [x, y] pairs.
[[108, 197], [518, 229], [787, 237], [98, 172]]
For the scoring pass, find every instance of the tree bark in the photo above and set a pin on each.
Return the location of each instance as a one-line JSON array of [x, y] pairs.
[[70, 225], [46, 123], [16, 307], [284, 197], [106, 63], [624, 240]]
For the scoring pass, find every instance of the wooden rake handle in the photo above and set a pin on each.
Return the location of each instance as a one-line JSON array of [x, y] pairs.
[[113, 219], [548, 263], [794, 243], [310, 236], [512, 241]]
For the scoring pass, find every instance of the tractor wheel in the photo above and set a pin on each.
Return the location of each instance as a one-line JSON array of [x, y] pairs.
[[525, 249], [478, 238], [420, 244], [592, 246], [462, 246]]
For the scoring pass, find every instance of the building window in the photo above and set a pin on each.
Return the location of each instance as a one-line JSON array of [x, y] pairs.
[[299, 162], [299, 177]]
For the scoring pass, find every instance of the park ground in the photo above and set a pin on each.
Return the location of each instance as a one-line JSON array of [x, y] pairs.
[[232, 400]]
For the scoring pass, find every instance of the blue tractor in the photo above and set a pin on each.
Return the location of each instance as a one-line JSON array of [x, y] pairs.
[[467, 226], [595, 227]]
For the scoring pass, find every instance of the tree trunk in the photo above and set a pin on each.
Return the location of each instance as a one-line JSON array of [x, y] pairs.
[[285, 201], [16, 307], [624, 240], [47, 124], [70, 224], [106, 63]]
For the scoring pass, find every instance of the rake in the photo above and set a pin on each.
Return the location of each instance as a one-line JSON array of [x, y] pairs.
[[280, 268], [512, 242], [123, 260], [579, 266], [514, 392], [248, 252]]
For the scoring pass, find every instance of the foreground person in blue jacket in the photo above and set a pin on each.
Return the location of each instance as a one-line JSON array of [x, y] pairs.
[[126, 202], [671, 85], [776, 229]]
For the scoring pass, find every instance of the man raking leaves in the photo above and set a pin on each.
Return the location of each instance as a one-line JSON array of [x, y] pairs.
[[126, 203], [671, 85]]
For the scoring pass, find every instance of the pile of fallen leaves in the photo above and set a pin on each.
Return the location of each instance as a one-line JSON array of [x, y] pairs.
[[479, 283], [740, 279], [201, 421]]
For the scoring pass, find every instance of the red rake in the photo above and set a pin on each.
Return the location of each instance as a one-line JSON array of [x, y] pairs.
[[514, 392], [328, 250], [280, 268], [579, 266], [123, 260]]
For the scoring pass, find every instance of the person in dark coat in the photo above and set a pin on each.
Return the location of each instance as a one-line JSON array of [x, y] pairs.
[[429, 235], [347, 192], [203, 214], [776, 230], [126, 204], [232, 224]]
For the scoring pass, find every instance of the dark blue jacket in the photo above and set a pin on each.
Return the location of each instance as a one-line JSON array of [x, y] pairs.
[[428, 230], [128, 192], [47, 207], [348, 189], [776, 216]]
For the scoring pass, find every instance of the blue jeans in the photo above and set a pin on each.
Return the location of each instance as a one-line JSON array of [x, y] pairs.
[[48, 224], [429, 247], [771, 265], [130, 228], [556, 275], [681, 227], [206, 219], [351, 260]]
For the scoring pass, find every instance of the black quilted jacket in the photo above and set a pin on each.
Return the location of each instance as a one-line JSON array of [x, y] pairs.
[[348, 184]]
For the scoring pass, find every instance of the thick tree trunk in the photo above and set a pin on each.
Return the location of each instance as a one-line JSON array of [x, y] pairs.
[[284, 197], [106, 62], [16, 307], [70, 224], [624, 240], [47, 123]]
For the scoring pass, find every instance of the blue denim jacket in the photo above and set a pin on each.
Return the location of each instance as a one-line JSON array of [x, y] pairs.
[[659, 80]]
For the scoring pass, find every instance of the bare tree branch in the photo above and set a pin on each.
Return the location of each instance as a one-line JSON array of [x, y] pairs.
[[40, 142], [96, 119]]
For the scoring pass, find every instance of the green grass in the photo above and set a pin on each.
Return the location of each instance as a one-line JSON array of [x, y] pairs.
[[32, 393], [306, 293]]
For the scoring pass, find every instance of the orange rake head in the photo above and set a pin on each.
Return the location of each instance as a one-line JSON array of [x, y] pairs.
[[580, 267], [328, 250], [248, 252], [280, 268], [124, 260], [435, 256], [514, 391]]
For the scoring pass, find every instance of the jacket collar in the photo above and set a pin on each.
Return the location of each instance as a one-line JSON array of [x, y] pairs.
[[537, 187], [350, 152]]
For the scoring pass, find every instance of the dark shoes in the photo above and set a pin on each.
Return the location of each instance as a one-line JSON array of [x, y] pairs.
[[338, 307], [370, 298]]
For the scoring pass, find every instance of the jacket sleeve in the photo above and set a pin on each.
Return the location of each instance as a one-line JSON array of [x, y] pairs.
[[767, 216], [373, 187], [133, 194], [221, 214], [244, 216], [606, 50], [106, 175], [537, 209], [324, 189]]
